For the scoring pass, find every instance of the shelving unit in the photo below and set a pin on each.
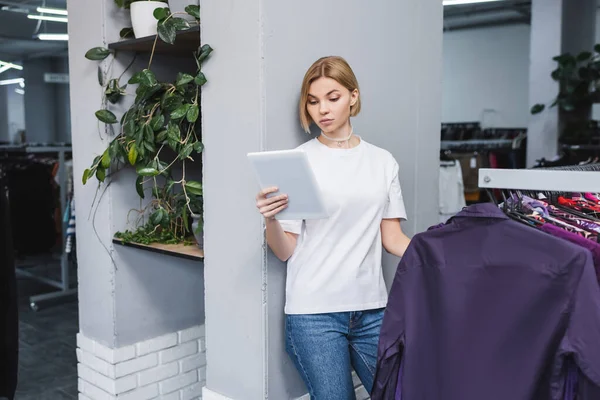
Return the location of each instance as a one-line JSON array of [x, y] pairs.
[[540, 179], [189, 252], [186, 42]]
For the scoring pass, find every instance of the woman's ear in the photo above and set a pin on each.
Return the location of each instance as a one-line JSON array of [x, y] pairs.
[[353, 97]]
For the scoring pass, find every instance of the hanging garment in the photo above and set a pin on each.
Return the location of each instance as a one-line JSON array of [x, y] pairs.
[[452, 196], [593, 247], [9, 321], [484, 307]]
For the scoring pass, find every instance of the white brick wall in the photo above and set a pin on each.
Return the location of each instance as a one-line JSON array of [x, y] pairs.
[[169, 367]]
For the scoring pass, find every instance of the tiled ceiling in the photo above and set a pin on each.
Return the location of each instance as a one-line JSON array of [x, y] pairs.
[[18, 33]]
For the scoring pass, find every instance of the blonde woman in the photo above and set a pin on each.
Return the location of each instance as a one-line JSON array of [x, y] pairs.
[[335, 293]]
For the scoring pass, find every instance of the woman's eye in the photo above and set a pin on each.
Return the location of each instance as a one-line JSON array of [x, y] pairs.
[[312, 103], [336, 99]]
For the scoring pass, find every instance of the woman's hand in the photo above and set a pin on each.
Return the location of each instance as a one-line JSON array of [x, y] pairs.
[[270, 206]]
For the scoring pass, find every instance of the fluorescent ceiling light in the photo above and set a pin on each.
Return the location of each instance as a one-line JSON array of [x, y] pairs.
[[52, 11], [12, 81], [10, 65], [53, 36], [459, 2], [20, 91], [48, 18], [4, 68]]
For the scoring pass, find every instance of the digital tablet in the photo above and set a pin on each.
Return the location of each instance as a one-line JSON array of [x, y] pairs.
[[290, 172]]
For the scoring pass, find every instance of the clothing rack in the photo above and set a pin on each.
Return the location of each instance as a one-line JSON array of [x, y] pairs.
[[63, 285], [575, 178]]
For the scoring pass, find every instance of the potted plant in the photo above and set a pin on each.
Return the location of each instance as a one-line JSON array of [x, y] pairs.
[[578, 78], [142, 17], [158, 135]]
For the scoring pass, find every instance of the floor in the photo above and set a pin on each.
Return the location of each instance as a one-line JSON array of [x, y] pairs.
[[47, 359]]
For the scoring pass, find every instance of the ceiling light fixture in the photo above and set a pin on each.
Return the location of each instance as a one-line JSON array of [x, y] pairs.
[[461, 2], [52, 11], [20, 91], [48, 18], [10, 65], [4, 68], [12, 81], [53, 36]]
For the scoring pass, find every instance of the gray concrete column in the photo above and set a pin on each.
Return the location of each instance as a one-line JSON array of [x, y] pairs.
[[262, 50], [557, 27]]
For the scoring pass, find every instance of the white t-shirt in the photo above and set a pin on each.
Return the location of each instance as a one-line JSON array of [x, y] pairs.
[[336, 265]]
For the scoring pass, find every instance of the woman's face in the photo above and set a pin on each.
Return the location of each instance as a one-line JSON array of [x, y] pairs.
[[329, 104]]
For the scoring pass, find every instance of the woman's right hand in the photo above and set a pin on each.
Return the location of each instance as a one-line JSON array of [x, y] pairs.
[[270, 206]]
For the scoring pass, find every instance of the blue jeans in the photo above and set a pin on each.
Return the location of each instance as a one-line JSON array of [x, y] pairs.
[[325, 348]]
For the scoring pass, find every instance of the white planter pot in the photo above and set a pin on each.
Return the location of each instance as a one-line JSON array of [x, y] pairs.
[[142, 17], [180, 5]]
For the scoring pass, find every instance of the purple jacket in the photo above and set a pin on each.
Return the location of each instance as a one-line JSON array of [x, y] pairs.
[[487, 308]]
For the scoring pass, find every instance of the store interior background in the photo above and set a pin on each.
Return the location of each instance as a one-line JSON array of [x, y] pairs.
[[486, 79]]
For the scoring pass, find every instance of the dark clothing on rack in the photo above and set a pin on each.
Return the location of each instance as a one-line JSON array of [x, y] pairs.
[[593, 247], [9, 322], [484, 307]]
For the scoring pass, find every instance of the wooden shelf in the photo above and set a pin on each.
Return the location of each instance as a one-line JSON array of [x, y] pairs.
[[187, 42], [190, 252]]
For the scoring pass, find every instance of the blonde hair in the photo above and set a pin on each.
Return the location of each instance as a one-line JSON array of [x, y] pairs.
[[333, 67]]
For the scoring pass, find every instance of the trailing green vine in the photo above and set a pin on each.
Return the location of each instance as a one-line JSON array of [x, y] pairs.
[[159, 131]]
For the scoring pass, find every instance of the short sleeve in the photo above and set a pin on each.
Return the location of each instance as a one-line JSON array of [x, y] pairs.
[[291, 225], [395, 203]]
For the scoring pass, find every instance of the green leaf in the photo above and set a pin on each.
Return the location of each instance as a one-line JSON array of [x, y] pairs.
[[113, 149], [193, 10], [133, 154], [158, 122], [162, 136], [184, 79], [129, 127], [101, 174], [148, 133], [147, 171], [205, 51], [200, 79], [100, 76], [186, 151], [194, 187], [148, 78], [180, 24], [139, 186], [150, 147], [97, 53], [156, 217], [193, 113], [161, 13], [180, 112], [105, 159], [85, 177], [171, 102], [167, 31], [144, 77], [584, 55], [173, 135], [184, 216], [538, 108], [198, 147], [126, 33], [106, 116]]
